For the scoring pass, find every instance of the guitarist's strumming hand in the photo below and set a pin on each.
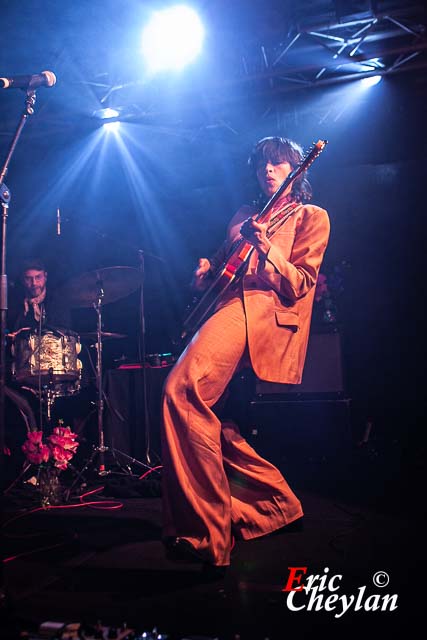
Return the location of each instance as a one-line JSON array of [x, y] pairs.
[[256, 234], [198, 283]]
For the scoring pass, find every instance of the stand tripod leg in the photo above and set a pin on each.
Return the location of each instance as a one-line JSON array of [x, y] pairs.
[[130, 459], [100, 450], [80, 474], [17, 479]]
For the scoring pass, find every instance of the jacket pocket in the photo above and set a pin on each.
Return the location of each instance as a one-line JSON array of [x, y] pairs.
[[288, 319]]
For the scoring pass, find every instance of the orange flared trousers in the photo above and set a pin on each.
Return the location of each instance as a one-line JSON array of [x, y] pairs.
[[213, 479]]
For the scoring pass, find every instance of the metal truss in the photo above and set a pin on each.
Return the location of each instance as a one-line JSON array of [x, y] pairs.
[[326, 42], [341, 50]]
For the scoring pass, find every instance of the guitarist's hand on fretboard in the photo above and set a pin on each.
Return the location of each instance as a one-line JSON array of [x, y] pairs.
[[256, 234]]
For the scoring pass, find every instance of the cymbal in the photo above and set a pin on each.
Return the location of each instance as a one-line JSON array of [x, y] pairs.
[[116, 283], [105, 335]]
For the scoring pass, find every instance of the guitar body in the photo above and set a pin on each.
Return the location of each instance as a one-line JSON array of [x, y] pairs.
[[227, 274]]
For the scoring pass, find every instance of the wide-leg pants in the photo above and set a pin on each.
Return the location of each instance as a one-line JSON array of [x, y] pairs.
[[212, 478]]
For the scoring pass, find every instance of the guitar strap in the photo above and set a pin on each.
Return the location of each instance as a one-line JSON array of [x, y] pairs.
[[279, 217]]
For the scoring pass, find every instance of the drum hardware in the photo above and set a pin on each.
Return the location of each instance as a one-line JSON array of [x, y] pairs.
[[93, 285], [152, 361], [45, 363], [24, 408], [47, 360], [106, 335], [51, 395], [46, 383], [118, 282]]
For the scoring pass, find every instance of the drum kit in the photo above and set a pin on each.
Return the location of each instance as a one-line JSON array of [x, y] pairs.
[[47, 361]]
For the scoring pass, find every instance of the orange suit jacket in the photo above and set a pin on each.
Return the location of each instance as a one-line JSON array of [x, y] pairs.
[[278, 292]]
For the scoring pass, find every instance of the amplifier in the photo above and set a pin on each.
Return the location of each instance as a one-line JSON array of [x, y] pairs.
[[323, 371], [288, 431]]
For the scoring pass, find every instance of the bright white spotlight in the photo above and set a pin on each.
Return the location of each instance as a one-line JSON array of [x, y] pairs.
[[172, 38], [111, 127], [371, 81], [106, 113]]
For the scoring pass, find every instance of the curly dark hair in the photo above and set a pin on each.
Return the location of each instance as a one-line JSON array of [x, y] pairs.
[[275, 149]]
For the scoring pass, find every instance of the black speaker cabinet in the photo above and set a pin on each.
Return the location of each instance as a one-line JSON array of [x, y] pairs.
[[125, 424], [295, 431], [323, 372]]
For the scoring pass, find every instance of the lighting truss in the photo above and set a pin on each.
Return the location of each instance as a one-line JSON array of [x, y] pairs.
[[335, 41], [333, 50]]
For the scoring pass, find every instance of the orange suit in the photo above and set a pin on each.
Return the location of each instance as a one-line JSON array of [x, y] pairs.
[[213, 480]]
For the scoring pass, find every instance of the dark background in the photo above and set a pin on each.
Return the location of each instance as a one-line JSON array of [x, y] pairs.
[[170, 179], [165, 184]]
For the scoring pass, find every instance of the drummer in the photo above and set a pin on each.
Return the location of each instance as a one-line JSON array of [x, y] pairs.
[[39, 308]]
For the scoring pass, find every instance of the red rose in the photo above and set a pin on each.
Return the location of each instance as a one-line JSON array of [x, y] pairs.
[[61, 447], [34, 449], [65, 438], [61, 457]]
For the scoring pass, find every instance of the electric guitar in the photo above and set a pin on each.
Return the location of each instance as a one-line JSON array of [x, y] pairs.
[[234, 266]]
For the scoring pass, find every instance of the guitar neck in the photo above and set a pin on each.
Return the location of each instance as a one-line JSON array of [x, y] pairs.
[[276, 195]]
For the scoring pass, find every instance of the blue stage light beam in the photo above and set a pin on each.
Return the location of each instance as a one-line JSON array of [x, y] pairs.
[[172, 39]]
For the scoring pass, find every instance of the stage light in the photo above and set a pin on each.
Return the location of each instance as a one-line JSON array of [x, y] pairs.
[[110, 113], [104, 114], [371, 81], [172, 38], [111, 127]]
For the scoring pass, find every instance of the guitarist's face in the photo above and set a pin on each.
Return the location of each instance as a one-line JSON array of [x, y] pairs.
[[270, 176]]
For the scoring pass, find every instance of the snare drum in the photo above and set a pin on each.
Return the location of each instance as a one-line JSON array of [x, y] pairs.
[[51, 357]]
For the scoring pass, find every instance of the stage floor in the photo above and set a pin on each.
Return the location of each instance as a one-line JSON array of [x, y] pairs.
[[93, 563]]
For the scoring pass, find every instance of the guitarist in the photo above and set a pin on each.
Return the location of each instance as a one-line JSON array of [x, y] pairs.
[[214, 483]]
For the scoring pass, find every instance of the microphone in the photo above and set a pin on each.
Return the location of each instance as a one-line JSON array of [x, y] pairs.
[[43, 79], [58, 222]]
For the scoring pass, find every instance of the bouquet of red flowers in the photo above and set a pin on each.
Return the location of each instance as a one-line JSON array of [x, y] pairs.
[[60, 447]]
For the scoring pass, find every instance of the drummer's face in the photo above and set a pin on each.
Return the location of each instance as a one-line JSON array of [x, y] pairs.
[[35, 282]]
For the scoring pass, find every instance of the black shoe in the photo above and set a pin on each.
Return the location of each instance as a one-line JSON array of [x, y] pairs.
[[212, 572], [181, 551]]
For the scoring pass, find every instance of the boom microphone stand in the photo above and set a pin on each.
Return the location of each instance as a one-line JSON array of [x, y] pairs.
[[5, 197]]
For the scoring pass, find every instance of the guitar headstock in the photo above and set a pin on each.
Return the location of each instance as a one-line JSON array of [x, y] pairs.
[[313, 153]]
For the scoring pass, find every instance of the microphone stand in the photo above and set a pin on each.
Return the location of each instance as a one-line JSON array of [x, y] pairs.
[[5, 198]]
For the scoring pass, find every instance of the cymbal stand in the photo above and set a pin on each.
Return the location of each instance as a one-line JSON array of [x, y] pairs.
[[50, 397], [142, 359], [102, 449], [99, 382]]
